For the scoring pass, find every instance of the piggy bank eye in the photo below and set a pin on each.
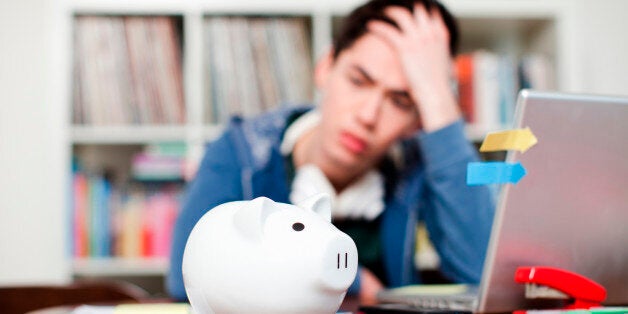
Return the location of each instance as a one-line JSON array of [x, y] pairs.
[[297, 226]]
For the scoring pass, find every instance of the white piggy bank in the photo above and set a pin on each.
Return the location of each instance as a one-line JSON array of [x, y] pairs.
[[264, 257]]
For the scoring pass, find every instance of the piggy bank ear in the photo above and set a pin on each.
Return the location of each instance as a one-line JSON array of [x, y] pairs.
[[250, 218], [319, 203]]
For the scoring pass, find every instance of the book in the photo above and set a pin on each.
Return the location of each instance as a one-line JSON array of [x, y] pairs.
[[488, 83], [464, 76], [486, 89], [132, 222], [255, 64], [127, 70], [80, 210]]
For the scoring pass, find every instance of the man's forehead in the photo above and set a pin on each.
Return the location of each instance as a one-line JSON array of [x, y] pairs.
[[377, 59], [369, 44]]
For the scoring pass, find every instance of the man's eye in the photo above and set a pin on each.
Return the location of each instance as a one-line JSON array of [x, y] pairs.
[[403, 103], [357, 81]]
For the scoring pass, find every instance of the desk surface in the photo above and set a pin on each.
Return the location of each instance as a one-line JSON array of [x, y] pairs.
[[349, 304], [54, 310]]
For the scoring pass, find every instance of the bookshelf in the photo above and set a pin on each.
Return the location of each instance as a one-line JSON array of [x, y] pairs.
[[514, 28]]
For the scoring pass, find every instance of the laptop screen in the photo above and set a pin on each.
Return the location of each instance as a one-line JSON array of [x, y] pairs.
[[571, 209]]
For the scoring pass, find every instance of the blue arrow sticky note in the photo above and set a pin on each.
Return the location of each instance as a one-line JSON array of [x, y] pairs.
[[479, 173]]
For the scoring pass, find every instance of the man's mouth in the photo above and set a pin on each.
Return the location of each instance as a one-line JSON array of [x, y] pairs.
[[353, 143]]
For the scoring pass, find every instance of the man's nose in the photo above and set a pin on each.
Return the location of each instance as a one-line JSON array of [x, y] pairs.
[[369, 110]]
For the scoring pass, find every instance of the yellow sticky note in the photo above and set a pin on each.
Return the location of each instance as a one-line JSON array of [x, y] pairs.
[[153, 308], [519, 139]]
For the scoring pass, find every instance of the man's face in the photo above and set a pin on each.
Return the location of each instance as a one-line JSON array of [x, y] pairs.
[[366, 105]]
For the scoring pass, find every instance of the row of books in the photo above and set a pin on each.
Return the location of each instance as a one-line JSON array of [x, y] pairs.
[[109, 222], [160, 162], [254, 64], [488, 83], [127, 70]]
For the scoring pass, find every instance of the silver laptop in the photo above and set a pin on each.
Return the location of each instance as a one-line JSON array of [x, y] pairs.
[[570, 211]]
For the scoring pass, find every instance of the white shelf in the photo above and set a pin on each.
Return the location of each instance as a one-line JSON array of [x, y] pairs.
[[120, 266], [176, 7], [127, 134], [461, 8], [211, 132], [511, 9], [141, 134], [155, 134]]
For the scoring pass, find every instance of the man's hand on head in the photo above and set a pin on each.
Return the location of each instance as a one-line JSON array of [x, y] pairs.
[[423, 48]]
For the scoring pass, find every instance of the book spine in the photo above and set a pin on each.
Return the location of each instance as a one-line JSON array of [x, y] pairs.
[[81, 206], [464, 72]]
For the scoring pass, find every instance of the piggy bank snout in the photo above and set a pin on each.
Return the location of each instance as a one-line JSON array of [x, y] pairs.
[[340, 263]]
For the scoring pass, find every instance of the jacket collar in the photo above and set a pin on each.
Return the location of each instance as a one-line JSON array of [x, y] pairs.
[[256, 139]]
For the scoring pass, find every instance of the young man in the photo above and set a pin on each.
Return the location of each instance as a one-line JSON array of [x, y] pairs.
[[386, 141]]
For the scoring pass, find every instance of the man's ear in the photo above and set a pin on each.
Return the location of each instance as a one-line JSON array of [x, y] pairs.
[[323, 67]]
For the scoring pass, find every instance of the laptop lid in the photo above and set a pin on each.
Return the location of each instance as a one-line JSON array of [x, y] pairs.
[[571, 209]]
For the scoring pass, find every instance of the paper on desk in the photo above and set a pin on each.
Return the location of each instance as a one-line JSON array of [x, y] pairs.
[[446, 289], [156, 308], [92, 309], [150, 308]]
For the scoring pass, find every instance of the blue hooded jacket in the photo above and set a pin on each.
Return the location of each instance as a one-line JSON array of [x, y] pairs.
[[245, 163]]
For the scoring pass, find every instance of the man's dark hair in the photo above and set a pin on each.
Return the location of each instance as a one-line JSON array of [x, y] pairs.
[[354, 25]]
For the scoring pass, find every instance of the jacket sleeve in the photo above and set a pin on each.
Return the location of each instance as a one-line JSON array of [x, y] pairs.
[[217, 181], [458, 217]]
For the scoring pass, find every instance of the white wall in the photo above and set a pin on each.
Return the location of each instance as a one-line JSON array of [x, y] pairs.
[[603, 26], [32, 230]]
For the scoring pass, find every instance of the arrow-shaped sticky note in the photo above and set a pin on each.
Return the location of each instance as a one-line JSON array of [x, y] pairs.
[[519, 139], [479, 173]]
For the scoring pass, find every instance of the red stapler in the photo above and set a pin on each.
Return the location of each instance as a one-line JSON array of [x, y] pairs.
[[549, 282]]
